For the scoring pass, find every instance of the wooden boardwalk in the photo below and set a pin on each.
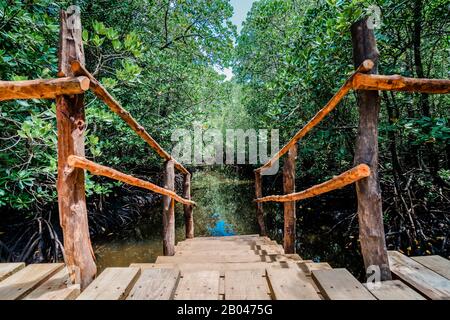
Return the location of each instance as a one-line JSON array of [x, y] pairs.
[[229, 268]]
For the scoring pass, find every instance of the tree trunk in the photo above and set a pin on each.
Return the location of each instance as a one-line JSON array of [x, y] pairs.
[[370, 215], [71, 126], [188, 217], [289, 207], [169, 211], [259, 206]]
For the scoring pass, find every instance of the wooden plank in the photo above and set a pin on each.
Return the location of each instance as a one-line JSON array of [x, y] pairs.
[[155, 284], [246, 285], [436, 263], [394, 290], [198, 285], [426, 281], [225, 259], [152, 265], [7, 269], [290, 284], [57, 287], [188, 216], [24, 281], [339, 284], [112, 284], [225, 252], [309, 267]]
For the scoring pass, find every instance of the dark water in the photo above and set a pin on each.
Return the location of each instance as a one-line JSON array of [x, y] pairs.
[[326, 227], [224, 208]]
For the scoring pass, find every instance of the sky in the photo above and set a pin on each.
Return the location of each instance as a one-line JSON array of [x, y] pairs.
[[241, 7]]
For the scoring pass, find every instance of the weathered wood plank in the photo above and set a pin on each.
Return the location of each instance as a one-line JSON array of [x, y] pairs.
[[394, 290], [24, 281], [225, 259], [155, 284], [339, 284], [198, 285], [290, 284], [188, 216], [111, 284], [57, 287], [246, 285], [436, 263], [426, 281], [309, 267], [7, 269]]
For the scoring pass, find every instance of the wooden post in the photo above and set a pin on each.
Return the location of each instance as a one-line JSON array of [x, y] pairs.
[[289, 207], [259, 206], [71, 127], [188, 217], [370, 215], [169, 211]]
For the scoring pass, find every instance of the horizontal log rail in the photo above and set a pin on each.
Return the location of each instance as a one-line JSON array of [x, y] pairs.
[[400, 83], [357, 173], [366, 66], [97, 169], [115, 107], [43, 88]]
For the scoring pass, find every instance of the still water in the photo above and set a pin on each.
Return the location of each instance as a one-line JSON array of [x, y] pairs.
[[224, 208], [326, 228]]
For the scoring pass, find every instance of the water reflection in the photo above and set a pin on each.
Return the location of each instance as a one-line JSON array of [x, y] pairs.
[[223, 209]]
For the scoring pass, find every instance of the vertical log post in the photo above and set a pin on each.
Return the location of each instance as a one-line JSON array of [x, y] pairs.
[[370, 215], [188, 217], [169, 211], [71, 127], [259, 206], [289, 207]]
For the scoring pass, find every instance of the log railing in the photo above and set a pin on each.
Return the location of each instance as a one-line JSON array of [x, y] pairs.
[[68, 90], [359, 80]]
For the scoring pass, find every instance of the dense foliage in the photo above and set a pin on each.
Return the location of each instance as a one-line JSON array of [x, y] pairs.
[[159, 59], [292, 56]]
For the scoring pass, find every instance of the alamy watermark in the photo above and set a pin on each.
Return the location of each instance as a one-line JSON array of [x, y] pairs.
[[231, 146]]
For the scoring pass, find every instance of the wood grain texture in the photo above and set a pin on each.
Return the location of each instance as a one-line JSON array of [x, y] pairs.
[[436, 263], [7, 269], [289, 207], [111, 284], [155, 284], [394, 290], [42, 88], [291, 284], [246, 285], [355, 174], [27, 279], [339, 284], [168, 214], [71, 127], [57, 287], [400, 83], [97, 169], [424, 280], [370, 215], [309, 267], [198, 285]]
